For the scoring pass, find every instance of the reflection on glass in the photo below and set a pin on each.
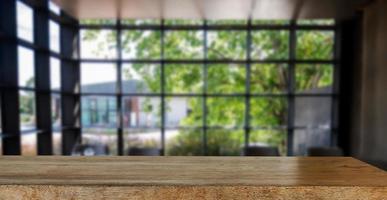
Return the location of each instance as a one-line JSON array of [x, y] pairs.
[[226, 44], [56, 111], [99, 111], [315, 45], [310, 137], [141, 111], [273, 138], [27, 110], [25, 25], [316, 78], [26, 67], [54, 36], [141, 44], [183, 78], [268, 112], [183, 44], [149, 138], [141, 78], [218, 115], [98, 78], [98, 44], [184, 142], [320, 22], [99, 141], [313, 112], [183, 111], [269, 78], [226, 78], [270, 45], [28, 144], [224, 142], [55, 74], [57, 142]]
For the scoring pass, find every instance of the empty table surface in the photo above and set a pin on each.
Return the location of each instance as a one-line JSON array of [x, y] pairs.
[[50, 177]]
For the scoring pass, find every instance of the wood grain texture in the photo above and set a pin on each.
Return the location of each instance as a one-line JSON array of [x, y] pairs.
[[189, 178]]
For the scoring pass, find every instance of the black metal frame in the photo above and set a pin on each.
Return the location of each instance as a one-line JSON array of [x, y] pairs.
[[70, 88]]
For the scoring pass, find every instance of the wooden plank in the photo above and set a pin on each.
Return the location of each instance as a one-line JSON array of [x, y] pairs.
[[190, 177]]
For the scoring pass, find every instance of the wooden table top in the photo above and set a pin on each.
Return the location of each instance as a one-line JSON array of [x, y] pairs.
[[188, 171]]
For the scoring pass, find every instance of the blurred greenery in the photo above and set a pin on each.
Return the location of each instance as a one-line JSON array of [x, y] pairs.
[[227, 78]]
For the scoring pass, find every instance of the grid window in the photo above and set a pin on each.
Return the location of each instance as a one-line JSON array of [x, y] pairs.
[[55, 74], [28, 144], [188, 89], [99, 111], [56, 111], [104, 140]]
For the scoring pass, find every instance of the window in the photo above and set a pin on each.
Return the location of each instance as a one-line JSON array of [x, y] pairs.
[[188, 89], [54, 36], [26, 67]]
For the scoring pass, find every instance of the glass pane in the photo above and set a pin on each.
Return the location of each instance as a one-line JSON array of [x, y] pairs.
[[27, 110], [141, 22], [183, 44], [56, 111], [100, 140], [142, 139], [28, 144], [316, 78], [269, 78], [97, 22], [315, 45], [274, 138], [99, 111], [316, 22], [225, 111], [26, 67], [226, 44], [227, 22], [224, 142], [141, 44], [305, 138], [270, 22], [226, 78], [98, 78], [184, 142], [55, 73], [53, 7], [57, 142], [184, 111], [313, 112], [183, 78], [141, 111], [183, 22], [98, 44], [270, 45], [268, 112], [54, 36], [25, 25], [141, 78]]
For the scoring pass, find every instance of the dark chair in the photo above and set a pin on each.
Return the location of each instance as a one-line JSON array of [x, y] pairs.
[[135, 151], [261, 151], [90, 150], [325, 151]]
